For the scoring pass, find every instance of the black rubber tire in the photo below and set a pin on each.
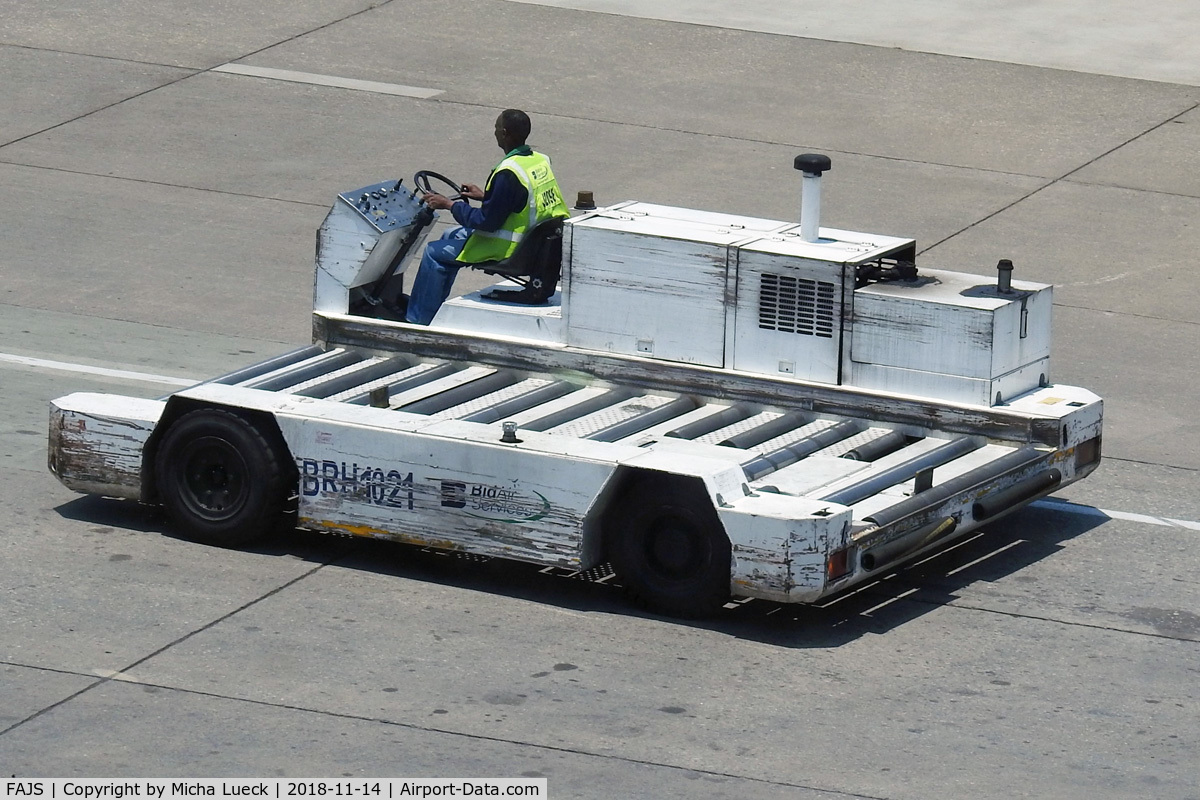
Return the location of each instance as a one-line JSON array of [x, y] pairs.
[[220, 479], [669, 549]]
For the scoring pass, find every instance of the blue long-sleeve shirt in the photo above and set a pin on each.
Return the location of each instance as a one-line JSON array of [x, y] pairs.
[[504, 196]]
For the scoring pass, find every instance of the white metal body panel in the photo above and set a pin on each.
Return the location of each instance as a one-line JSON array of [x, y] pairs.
[[788, 315], [653, 280], [835, 245], [530, 500], [950, 335], [434, 487], [722, 475], [679, 223], [96, 442], [470, 312], [633, 293], [952, 388], [1081, 410], [780, 545]]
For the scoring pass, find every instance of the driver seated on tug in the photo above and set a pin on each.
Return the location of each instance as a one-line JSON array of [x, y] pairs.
[[520, 193]]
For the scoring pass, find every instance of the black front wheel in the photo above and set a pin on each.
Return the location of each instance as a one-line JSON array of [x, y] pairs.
[[220, 479], [669, 548]]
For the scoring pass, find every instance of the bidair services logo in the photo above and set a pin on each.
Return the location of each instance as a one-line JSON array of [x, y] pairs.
[[495, 503]]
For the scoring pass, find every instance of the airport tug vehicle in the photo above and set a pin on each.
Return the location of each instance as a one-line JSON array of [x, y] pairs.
[[716, 405]]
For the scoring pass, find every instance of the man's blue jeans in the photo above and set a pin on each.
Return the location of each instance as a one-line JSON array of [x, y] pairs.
[[435, 276]]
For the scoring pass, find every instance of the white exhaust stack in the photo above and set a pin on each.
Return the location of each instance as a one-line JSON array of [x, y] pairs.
[[811, 165]]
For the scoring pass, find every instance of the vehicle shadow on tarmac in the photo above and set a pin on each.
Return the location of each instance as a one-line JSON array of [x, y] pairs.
[[895, 597]]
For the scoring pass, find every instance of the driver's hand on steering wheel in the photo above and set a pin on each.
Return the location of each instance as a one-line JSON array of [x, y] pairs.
[[437, 201], [471, 191]]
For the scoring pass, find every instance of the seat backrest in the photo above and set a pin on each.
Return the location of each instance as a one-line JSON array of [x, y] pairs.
[[538, 254]]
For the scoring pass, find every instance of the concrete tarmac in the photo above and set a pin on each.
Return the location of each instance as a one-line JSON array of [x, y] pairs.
[[160, 220], [1149, 39]]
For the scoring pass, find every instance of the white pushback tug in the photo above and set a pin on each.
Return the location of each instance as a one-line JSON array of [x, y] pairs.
[[715, 405]]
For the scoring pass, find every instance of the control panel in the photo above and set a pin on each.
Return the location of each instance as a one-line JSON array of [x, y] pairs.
[[386, 206], [362, 238]]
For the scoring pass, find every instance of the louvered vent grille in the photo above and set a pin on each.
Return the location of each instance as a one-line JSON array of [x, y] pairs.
[[796, 305]]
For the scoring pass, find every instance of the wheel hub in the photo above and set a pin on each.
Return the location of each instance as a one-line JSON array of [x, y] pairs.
[[671, 549], [215, 478]]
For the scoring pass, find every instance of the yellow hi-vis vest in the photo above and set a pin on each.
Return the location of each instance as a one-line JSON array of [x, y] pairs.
[[545, 202]]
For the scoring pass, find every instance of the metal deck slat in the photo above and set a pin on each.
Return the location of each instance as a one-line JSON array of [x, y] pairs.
[[807, 476], [438, 385], [569, 407], [818, 442], [858, 440], [728, 415], [509, 400], [870, 468], [900, 467], [780, 425], [281, 379], [270, 365], [640, 422], [702, 416], [998, 423], [792, 436], [981, 457], [1016, 460], [464, 393], [348, 377], [397, 382], [599, 420], [902, 492], [490, 399], [739, 427]]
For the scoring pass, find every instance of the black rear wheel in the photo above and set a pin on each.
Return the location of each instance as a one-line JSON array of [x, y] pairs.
[[220, 479], [669, 548]]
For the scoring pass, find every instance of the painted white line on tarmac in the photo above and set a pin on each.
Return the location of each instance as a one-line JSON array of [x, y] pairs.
[[314, 79], [1092, 511], [88, 369]]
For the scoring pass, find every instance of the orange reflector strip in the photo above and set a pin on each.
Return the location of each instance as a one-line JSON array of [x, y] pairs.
[[839, 564]]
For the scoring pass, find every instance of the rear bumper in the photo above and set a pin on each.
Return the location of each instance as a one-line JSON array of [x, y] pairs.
[[926, 521], [96, 442]]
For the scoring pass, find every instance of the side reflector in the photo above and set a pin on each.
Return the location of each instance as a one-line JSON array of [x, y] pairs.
[[1087, 453], [839, 565]]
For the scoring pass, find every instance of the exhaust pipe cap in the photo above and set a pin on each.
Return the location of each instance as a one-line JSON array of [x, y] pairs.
[[812, 163], [1004, 271]]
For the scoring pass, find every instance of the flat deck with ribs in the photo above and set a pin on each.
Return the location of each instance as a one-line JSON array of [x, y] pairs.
[[812, 495]]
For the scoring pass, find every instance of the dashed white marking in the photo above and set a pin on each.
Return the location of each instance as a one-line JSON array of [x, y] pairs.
[[1147, 519], [984, 558], [314, 79], [88, 369]]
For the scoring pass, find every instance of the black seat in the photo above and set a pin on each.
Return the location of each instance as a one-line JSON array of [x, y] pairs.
[[535, 265]]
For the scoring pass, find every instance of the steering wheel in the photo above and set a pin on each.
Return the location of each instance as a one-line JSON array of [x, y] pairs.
[[422, 178]]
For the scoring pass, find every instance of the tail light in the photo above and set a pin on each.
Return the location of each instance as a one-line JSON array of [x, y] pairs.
[[839, 564], [1087, 453]]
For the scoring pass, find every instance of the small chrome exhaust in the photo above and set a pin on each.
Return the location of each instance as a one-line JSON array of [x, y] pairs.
[[811, 165]]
